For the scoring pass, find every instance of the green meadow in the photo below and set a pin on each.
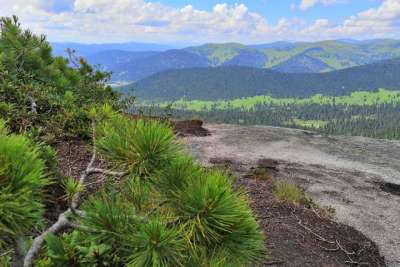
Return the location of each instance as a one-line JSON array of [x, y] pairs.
[[360, 98]]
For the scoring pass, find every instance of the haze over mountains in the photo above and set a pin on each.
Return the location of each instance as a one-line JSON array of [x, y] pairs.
[[131, 62], [91, 49]]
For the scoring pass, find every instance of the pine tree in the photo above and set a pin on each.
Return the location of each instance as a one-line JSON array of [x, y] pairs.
[[22, 182], [160, 207]]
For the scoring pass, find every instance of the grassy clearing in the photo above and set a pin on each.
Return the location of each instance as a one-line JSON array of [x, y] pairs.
[[313, 124], [288, 191], [260, 173], [361, 98]]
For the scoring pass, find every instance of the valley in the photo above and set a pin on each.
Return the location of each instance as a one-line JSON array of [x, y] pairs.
[[373, 114], [360, 98]]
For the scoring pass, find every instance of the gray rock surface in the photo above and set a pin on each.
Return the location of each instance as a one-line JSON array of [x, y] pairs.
[[343, 172]]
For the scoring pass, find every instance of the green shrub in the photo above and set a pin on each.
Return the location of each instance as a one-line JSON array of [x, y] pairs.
[[3, 128], [22, 179], [5, 261], [6, 110], [288, 191], [40, 90], [75, 249], [218, 219], [46, 152], [137, 192], [170, 211], [176, 175], [112, 218], [156, 244], [141, 146], [261, 173]]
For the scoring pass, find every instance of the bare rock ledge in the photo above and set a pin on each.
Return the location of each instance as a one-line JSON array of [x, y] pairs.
[[359, 177]]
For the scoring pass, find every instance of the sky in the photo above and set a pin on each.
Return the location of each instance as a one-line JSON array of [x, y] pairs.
[[206, 21]]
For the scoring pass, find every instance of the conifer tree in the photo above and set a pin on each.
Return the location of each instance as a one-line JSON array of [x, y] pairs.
[[159, 208]]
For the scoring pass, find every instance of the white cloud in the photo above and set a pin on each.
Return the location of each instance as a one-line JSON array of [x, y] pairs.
[[319, 26], [383, 21], [140, 20], [121, 20], [306, 4]]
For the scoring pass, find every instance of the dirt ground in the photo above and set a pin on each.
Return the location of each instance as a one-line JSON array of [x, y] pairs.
[[304, 234]]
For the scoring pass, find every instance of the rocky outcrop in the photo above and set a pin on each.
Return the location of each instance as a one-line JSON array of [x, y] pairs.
[[358, 177]]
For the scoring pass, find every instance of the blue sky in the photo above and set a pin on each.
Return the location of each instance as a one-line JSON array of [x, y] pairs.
[[199, 21]]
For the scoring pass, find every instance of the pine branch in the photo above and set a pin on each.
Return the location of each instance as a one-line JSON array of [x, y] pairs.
[[6, 253], [37, 244], [77, 197], [63, 221], [33, 105], [151, 212], [73, 59], [79, 227], [107, 172]]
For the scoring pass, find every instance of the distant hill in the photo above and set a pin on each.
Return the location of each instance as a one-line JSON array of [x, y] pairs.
[[336, 54], [90, 49], [235, 82], [137, 67], [275, 45], [300, 57], [303, 63], [248, 58], [218, 54], [117, 60]]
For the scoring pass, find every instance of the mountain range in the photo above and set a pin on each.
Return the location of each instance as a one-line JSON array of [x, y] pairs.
[[59, 48], [135, 61], [230, 82]]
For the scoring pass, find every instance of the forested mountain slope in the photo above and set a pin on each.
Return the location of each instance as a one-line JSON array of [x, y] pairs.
[[285, 57], [235, 82], [144, 64], [117, 60], [303, 63]]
